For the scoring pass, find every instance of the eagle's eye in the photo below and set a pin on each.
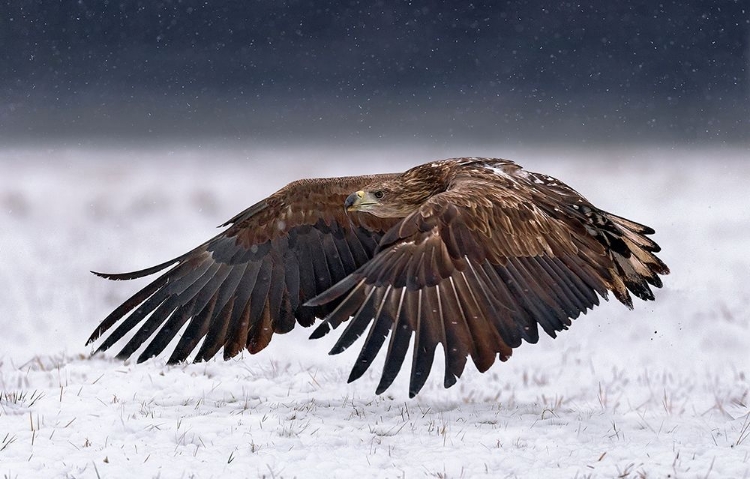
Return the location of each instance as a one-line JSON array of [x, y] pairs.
[[378, 194]]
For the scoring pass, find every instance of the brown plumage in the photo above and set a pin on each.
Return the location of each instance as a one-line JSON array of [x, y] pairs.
[[472, 254]]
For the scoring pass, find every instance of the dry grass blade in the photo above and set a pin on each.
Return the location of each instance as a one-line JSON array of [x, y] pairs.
[[744, 431]]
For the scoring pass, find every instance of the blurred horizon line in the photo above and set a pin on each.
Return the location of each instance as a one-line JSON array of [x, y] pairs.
[[429, 118]]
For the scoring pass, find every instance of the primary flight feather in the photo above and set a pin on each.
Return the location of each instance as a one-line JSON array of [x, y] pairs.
[[473, 254]]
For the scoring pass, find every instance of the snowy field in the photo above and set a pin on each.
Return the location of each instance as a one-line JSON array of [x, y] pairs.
[[661, 391]]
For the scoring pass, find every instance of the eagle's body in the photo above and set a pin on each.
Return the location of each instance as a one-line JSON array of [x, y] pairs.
[[470, 253]]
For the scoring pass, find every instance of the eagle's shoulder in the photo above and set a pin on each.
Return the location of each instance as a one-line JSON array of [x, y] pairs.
[[305, 201]]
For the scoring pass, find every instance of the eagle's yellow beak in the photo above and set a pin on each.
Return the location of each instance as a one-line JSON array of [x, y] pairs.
[[354, 200]]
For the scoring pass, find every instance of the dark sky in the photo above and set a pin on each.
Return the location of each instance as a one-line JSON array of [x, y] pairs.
[[505, 71]]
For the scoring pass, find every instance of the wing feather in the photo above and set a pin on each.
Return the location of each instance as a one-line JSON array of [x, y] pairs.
[[160, 315], [485, 340], [195, 331], [165, 335], [153, 302], [458, 343], [217, 329], [398, 344], [232, 320], [360, 320], [425, 343], [376, 337]]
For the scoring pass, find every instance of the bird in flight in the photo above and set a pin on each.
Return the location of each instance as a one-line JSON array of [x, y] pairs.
[[472, 254]]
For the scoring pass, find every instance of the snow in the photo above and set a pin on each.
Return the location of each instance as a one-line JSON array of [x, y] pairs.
[[661, 391]]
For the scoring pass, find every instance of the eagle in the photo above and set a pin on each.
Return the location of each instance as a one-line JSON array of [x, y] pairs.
[[472, 254]]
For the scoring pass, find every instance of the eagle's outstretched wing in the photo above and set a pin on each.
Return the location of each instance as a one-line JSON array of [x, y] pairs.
[[252, 280], [478, 267]]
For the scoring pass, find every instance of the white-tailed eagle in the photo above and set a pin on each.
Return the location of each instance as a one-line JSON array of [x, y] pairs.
[[473, 254]]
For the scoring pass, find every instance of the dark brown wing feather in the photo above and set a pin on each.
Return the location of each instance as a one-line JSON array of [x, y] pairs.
[[480, 266], [252, 280]]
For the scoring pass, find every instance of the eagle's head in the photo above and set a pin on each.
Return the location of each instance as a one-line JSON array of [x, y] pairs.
[[400, 196]]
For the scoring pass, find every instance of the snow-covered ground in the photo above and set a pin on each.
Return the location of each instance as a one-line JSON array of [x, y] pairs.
[[661, 391]]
